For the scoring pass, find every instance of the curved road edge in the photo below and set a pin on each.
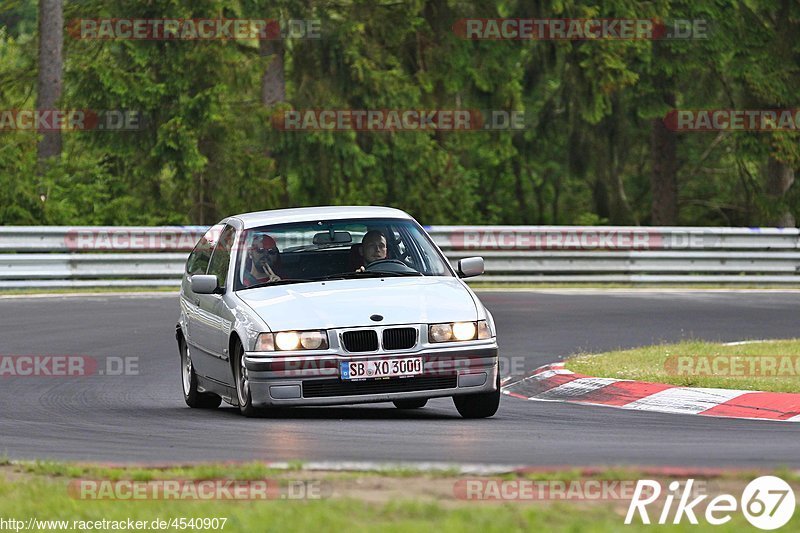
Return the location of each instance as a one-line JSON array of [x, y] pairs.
[[555, 383]]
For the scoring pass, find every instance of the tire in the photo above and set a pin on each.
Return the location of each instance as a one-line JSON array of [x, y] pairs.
[[414, 403], [193, 397], [481, 405], [242, 384]]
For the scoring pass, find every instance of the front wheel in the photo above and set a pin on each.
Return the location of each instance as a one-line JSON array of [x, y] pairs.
[[480, 405], [243, 384], [193, 397]]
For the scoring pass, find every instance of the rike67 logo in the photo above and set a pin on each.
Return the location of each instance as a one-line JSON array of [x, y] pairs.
[[767, 502]]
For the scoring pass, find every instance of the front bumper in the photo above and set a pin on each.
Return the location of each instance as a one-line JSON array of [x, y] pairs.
[[315, 380]]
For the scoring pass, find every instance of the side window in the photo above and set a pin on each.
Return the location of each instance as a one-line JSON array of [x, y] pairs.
[[221, 259], [201, 255]]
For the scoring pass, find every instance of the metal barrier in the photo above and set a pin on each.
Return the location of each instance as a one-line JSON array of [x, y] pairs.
[[54, 256]]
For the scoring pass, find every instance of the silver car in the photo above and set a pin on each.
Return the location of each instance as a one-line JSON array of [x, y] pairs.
[[332, 305]]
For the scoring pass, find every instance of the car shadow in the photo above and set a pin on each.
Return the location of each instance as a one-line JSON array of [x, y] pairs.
[[348, 413]]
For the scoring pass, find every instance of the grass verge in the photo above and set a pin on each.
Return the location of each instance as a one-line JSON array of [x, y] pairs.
[[772, 366], [382, 501]]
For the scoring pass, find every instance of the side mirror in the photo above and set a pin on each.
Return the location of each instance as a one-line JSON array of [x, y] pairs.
[[470, 267], [204, 284]]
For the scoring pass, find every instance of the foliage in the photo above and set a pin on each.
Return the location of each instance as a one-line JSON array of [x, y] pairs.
[[207, 147]]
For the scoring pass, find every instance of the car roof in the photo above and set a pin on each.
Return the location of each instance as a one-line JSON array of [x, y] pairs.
[[311, 214]]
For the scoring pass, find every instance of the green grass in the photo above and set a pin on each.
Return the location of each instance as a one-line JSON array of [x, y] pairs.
[[48, 500], [660, 364], [40, 490], [253, 470]]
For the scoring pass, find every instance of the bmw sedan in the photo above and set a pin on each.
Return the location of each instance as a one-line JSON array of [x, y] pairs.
[[331, 306]]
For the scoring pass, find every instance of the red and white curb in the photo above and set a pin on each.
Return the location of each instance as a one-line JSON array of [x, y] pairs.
[[557, 384]]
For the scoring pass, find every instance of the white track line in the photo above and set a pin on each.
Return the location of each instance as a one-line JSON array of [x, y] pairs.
[[684, 400], [577, 387]]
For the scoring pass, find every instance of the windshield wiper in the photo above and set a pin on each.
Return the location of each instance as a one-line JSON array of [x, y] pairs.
[[287, 281], [396, 274]]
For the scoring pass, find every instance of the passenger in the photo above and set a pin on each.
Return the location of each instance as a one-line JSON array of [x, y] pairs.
[[373, 248], [263, 261]]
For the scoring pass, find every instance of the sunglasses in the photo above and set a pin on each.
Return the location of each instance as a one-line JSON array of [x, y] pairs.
[[270, 251]]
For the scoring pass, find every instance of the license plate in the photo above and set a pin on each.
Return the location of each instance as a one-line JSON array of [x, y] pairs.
[[382, 368]]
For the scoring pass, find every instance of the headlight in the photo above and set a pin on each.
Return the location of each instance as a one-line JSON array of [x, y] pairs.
[[313, 340], [440, 332], [292, 340], [287, 340], [459, 331], [464, 331]]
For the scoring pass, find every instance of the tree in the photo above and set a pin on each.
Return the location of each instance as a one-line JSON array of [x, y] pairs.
[[594, 149], [664, 156], [50, 80]]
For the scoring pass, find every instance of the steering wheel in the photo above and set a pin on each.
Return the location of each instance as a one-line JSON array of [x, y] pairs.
[[385, 261]]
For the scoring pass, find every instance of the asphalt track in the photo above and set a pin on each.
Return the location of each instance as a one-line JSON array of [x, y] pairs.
[[142, 418]]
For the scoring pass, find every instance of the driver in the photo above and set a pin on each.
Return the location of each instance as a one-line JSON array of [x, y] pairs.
[[373, 248], [264, 259]]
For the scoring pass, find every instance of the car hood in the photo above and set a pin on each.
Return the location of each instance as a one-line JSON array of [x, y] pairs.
[[350, 303]]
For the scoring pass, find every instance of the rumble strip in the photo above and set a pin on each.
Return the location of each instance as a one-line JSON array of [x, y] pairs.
[[556, 383]]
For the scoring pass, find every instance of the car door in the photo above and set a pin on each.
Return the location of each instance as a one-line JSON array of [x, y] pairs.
[[214, 317], [197, 263]]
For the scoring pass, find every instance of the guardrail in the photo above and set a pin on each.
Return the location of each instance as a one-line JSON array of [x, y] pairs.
[[55, 256]]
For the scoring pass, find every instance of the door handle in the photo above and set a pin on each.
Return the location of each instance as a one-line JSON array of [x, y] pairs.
[[197, 302]]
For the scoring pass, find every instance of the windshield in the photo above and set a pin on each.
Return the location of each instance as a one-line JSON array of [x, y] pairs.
[[336, 249]]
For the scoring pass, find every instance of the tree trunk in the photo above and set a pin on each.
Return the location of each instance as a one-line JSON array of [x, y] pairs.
[[664, 176], [523, 216], [613, 129], [556, 196], [273, 91], [273, 83], [51, 41], [780, 178]]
